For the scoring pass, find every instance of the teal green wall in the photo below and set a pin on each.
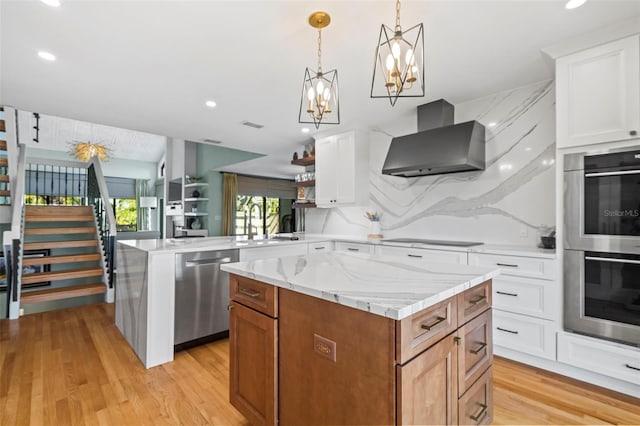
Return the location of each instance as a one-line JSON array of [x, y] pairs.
[[210, 158]]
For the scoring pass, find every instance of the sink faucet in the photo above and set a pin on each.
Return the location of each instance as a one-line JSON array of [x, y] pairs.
[[250, 213]]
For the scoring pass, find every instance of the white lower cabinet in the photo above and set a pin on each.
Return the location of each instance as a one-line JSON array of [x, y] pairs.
[[537, 298], [320, 247], [532, 336], [608, 358], [354, 247], [424, 255]]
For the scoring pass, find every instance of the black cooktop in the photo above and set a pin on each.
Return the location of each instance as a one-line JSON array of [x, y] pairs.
[[433, 242]]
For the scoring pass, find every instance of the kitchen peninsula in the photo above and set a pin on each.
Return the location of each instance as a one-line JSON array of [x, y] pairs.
[[340, 338]]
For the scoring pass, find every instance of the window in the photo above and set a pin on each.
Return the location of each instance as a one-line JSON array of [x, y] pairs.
[[251, 210], [53, 200], [126, 212]]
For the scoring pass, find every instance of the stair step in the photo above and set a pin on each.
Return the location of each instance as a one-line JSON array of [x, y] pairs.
[[2, 127], [68, 274], [4, 178], [62, 293], [68, 258], [3, 145], [59, 244], [60, 231], [59, 214], [4, 162]]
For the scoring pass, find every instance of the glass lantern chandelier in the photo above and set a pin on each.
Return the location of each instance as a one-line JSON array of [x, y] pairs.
[[398, 71], [319, 103]]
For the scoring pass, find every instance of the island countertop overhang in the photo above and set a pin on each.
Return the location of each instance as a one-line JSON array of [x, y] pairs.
[[382, 285]]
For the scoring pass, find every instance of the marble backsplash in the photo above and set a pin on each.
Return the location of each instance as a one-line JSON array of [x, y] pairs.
[[504, 204]]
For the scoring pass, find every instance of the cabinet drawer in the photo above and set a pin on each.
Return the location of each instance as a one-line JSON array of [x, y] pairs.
[[421, 330], [532, 336], [426, 255], [254, 294], [474, 301], [519, 266], [320, 247], [527, 296], [608, 358], [475, 350], [476, 406], [354, 247]]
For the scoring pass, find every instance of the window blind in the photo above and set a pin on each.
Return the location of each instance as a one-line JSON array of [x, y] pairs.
[[265, 187]]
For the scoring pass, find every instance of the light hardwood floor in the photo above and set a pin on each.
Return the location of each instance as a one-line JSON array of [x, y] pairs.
[[73, 367]]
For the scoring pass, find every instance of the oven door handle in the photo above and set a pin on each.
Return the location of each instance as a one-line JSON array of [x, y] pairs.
[[612, 259], [622, 172]]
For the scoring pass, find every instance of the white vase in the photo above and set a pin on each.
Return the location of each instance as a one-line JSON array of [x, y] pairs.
[[375, 231]]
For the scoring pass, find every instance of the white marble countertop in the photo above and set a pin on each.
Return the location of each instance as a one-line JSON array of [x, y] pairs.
[[224, 243], [388, 286], [211, 243]]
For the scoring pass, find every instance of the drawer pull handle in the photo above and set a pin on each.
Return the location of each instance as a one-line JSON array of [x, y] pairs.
[[632, 367], [481, 414], [478, 300], [507, 331], [352, 249], [508, 265], [415, 255], [504, 293], [477, 351], [249, 292], [438, 320], [320, 248]]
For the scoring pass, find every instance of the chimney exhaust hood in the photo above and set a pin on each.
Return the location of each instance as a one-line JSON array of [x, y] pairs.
[[439, 147]]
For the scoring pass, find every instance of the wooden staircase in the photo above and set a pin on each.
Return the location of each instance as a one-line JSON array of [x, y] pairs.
[[68, 251], [5, 192]]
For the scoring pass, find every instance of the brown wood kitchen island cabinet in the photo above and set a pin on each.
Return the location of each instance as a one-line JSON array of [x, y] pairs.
[[299, 359]]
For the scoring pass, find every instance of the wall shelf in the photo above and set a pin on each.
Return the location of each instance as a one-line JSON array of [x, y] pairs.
[[305, 161], [299, 205], [194, 185], [304, 183], [196, 214]]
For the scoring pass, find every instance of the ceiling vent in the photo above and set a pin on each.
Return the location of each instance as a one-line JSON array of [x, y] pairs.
[[254, 125]]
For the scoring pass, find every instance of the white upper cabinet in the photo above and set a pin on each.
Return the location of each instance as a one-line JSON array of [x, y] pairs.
[[598, 94], [342, 167]]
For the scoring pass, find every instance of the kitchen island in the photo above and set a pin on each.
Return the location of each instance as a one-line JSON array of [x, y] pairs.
[[341, 338]]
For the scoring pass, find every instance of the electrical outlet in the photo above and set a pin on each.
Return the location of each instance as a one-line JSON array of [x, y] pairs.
[[21, 311], [523, 232]]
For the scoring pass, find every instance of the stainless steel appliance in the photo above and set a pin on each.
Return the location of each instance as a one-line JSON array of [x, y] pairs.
[[602, 244], [201, 294]]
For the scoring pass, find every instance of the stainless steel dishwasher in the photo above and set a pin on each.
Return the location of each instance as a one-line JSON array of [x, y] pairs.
[[202, 294]]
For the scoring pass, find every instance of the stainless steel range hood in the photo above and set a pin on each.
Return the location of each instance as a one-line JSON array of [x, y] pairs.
[[439, 147]]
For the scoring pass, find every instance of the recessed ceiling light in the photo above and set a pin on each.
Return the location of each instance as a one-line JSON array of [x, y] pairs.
[[211, 104], [305, 130], [52, 3], [492, 124], [573, 4], [46, 56]]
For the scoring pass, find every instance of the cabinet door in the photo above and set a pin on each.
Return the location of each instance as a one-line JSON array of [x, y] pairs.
[[598, 94], [253, 382], [345, 168], [426, 387], [424, 255], [475, 350], [326, 172]]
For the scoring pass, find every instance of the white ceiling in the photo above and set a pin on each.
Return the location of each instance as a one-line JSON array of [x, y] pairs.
[[150, 65]]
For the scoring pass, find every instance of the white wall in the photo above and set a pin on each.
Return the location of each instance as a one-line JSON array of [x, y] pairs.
[[510, 199]]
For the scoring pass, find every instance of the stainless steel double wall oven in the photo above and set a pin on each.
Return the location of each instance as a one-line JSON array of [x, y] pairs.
[[602, 244]]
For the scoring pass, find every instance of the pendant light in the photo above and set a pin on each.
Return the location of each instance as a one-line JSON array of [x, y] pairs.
[[398, 71], [319, 102]]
